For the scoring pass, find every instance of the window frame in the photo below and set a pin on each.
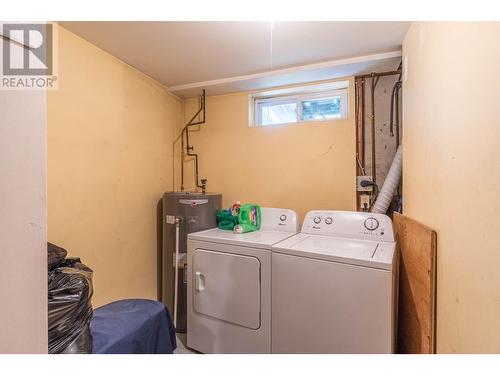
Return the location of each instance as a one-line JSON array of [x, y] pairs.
[[298, 99]]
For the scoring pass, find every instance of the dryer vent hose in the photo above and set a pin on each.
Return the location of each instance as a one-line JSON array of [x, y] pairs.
[[390, 184]]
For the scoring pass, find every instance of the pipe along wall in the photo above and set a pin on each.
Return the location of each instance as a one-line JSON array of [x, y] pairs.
[[387, 137]]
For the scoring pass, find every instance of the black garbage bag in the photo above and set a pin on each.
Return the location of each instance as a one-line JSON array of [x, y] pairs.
[[55, 255], [70, 308]]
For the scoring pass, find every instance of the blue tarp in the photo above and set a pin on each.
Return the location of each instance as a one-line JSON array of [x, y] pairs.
[[132, 326]]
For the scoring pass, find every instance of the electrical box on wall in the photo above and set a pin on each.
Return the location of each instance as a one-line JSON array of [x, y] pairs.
[[364, 202], [359, 179]]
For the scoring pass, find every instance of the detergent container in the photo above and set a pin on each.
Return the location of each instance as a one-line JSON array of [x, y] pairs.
[[249, 218]]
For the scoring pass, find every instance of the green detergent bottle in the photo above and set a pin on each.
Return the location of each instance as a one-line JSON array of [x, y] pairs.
[[249, 218]]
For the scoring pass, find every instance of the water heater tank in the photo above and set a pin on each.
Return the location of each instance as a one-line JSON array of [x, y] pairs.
[[196, 211]]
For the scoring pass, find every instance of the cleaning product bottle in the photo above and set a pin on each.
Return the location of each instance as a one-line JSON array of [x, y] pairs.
[[249, 218]]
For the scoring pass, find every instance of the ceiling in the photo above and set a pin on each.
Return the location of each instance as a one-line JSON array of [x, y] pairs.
[[239, 56]]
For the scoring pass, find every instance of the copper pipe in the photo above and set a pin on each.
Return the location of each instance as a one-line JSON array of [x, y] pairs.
[[356, 120], [363, 161], [182, 160], [363, 142], [382, 74], [189, 148], [363, 117], [359, 125]]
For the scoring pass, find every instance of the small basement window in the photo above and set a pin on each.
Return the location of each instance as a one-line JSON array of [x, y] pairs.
[[310, 103]]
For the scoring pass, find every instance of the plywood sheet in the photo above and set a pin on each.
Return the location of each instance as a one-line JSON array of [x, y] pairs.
[[417, 286]]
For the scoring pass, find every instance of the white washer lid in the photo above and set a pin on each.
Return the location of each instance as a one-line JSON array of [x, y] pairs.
[[262, 239], [343, 250]]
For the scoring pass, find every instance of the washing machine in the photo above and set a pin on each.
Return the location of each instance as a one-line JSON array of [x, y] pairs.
[[334, 285], [229, 285]]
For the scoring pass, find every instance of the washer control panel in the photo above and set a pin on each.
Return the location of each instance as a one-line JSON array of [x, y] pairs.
[[280, 219], [371, 223], [359, 225]]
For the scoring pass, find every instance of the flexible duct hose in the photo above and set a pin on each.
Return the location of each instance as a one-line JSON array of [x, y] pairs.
[[390, 184]]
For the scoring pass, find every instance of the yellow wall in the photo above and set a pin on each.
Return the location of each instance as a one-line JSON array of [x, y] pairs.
[[451, 172], [110, 134], [302, 166]]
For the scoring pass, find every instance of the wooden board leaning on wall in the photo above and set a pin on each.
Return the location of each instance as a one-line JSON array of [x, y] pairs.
[[417, 246]]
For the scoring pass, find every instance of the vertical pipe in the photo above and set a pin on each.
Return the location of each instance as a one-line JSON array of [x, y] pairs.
[[185, 131], [204, 97], [358, 135], [356, 103], [182, 160], [363, 162], [374, 167], [176, 272], [359, 127], [391, 120], [397, 112], [394, 119], [190, 148], [398, 129]]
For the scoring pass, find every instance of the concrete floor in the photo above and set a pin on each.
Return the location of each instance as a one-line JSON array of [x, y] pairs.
[[181, 345]]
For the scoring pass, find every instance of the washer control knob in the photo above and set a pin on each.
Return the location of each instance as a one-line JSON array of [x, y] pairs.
[[371, 223], [283, 217], [328, 220], [317, 220]]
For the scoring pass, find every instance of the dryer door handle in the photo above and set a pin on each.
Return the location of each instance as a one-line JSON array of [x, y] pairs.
[[199, 281]]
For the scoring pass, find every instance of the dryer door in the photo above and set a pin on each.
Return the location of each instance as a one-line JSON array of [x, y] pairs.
[[227, 287]]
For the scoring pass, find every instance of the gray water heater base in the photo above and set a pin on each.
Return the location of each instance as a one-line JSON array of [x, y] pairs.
[[197, 212]]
